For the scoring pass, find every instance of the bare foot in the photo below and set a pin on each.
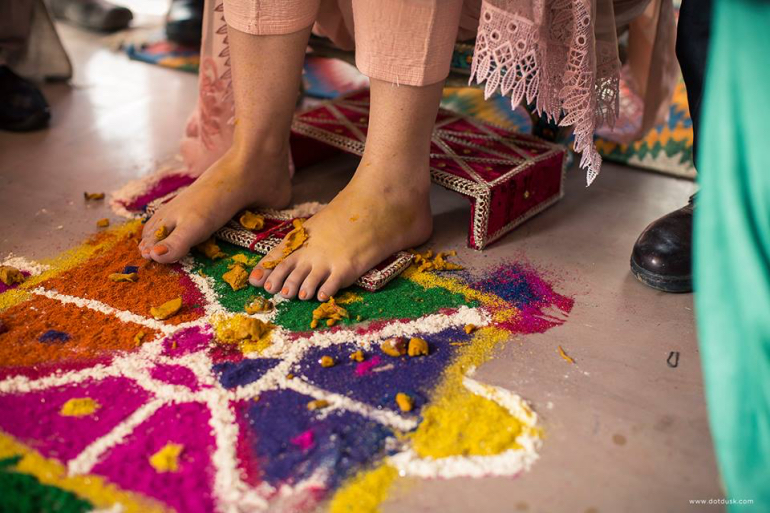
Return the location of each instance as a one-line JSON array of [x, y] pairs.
[[372, 218], [229, 185]]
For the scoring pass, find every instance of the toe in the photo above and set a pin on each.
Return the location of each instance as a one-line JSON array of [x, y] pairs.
[[258, 276], [293, 282], [310, 285], [330, 287], [176, 245], [274, 283]]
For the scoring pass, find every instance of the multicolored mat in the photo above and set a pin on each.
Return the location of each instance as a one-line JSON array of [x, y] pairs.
[[107, 405], [667, 148]]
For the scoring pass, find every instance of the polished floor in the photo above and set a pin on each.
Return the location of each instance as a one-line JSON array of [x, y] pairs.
[[624, 431]]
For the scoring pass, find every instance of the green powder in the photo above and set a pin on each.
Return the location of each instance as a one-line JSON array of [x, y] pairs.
[[399, 299], [231, 300], [22, 493]]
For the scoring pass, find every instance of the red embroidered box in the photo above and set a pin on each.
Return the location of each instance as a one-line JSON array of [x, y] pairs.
[[507, 177]]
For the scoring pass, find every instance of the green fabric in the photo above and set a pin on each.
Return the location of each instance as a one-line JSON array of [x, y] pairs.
[[732, 248]]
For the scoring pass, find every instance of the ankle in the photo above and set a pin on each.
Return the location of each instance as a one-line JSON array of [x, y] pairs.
[[259, 146]]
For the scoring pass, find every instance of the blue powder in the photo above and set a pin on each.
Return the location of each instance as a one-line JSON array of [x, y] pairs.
[[511, 283], [414, 376], [233, 374], [51, 336], [130, 269], [343, 441]]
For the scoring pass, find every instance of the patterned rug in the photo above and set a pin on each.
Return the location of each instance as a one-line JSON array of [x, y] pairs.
[[127, 385], [667, 148]]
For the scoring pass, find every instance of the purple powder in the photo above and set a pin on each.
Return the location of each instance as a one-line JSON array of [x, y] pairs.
[[233, 374], [343, 442], [188, 489], [383, 376], [35, 419]]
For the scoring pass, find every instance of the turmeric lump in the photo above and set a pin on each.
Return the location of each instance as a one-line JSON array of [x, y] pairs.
[[259, 305], [428, 262], [251, 221], [330, 311], [210, 249], [167, 309], [237, 276], [10, 275], [294, 240]]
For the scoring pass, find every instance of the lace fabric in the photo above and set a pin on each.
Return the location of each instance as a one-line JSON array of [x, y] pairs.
[[555, 65]]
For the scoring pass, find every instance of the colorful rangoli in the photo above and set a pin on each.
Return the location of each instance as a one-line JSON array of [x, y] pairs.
[[104, 406]]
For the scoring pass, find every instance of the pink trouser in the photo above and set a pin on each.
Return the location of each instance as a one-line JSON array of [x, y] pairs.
[[407, 42]]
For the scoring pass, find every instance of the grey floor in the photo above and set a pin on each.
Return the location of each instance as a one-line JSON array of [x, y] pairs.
[[624, 432]]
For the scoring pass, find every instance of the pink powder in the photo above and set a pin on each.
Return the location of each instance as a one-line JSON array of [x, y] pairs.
[[365, 367], [305, 440]]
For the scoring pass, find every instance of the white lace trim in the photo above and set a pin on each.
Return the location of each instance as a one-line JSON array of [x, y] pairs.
[[549, 64]]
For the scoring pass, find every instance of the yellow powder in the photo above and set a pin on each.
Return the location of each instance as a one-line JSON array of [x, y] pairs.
[[365, 491], [93, 196], [458, 422], [465, 424], [79, 407], [167, 458], [100, 492], [349, 297], [103, 223]]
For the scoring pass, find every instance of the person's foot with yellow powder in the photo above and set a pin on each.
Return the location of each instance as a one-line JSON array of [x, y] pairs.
[[385, 208]]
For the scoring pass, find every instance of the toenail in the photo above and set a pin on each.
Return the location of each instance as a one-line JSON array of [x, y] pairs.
[[257, 274], [285, 291], [303, 294], [323, 296], [268, 286], [160, 250]]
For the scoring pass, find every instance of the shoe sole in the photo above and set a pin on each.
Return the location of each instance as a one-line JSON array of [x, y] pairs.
[[674, 284]]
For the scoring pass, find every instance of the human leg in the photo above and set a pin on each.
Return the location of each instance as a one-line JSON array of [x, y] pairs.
[[255, 169], [405, 47]]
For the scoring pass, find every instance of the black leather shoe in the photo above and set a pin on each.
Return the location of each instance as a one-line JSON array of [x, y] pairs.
[[662, 255], [184, 22], [22, 105]]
